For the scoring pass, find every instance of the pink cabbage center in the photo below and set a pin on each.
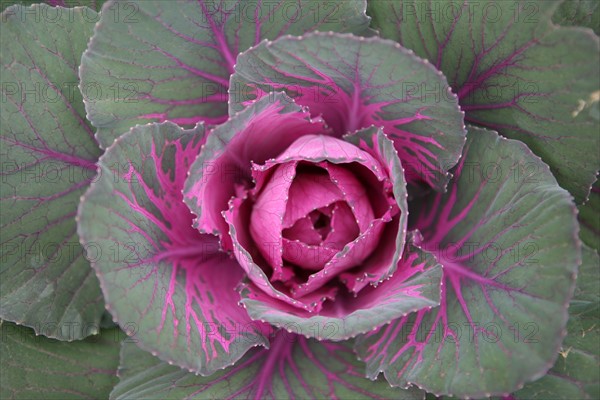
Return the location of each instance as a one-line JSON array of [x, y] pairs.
[[311, 221]]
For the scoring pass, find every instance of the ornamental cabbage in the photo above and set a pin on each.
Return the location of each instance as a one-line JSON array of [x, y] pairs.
[[268, 196]]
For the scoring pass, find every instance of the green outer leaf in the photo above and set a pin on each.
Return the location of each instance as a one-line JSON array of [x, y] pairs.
[[586, 299], [48, 159], [35, 367], [355, 83], [299, 372], [589, 218], [152, 61], [508, 245], [514, 72], [579, 13], [158, 274], [93, 4], [575, 374]]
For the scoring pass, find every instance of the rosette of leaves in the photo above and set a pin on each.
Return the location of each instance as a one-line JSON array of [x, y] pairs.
[[482, 116]]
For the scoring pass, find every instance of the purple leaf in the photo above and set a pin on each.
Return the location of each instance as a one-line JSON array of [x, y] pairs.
[[161, 277]]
